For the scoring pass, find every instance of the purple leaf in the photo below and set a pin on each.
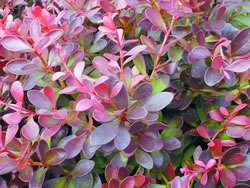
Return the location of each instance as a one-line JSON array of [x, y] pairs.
[[15, 44], [21, 67], [155, 18], [83, 167], [122, 139], [159, 101], [38, 178], [38, 99], [136, 50], [97, 137], [172, 143], [52, 37], [143, 91], [55, 156], [102, 116], [212, 77], [240, 65], [78, 70], [242, 173], [74, 146], [30, 130], [144, 159], [240, 44], [227, 178], [7, 165], [84, 105], [198, 53], [137, 113], [235, 132], [35, 30]]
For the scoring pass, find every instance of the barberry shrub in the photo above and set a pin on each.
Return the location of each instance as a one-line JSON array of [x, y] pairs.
[[125, 93]]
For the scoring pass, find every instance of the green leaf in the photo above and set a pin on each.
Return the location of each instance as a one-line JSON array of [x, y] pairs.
[[242, 21], [56, 183], [140, 65], [158, 86], [157, 186], [175, 53]]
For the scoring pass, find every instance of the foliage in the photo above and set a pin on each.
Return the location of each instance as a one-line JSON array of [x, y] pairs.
[[125, 93]]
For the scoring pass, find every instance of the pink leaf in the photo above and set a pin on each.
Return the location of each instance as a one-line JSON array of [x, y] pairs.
[[10, 133], [15, 44], [227, 178], [30, 130], [84, 105], [240, 120], [116, 89], [35, 30], [16, 91], [202, 132], [215, 115], [78, 70], [12, 118], [155, 18]]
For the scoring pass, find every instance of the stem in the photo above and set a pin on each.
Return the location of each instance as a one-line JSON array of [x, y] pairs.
[[167, 34], [44, 63]]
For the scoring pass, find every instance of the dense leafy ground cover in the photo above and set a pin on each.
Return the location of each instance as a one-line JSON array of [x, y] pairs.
[[125, 93]]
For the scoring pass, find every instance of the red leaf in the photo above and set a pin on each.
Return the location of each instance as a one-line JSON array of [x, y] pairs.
[[170, 172], [202, 132]]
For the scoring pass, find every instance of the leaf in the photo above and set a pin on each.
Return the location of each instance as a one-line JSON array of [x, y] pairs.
[[202, 132], [78, 70], [158, 85], [227, 178], [38, 178], [122, 139], [212, 77], [136, 50], [21, 66], [240, 120], [16, 91], [7, 165], [12, 118], [98, 46], [30, 130], [81, 182], [128, 182], [116, 89], [198, 53], [51, 37], [171, 143], [136, 113], [98, 138], [83, 105], [83, 167], [240, 45], [215, 115], [155, 18], [15, 44], [35, 30], [159, 101], [240, 65], [140, 64], [38, 99], [74, 146], [10, 133], [26, 174], [175, 53], [59, 182], [55, 156], [144, 159]]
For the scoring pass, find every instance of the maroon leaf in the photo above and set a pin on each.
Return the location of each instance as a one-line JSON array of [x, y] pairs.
[[15, 44], [55, 156], [83, 167]]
